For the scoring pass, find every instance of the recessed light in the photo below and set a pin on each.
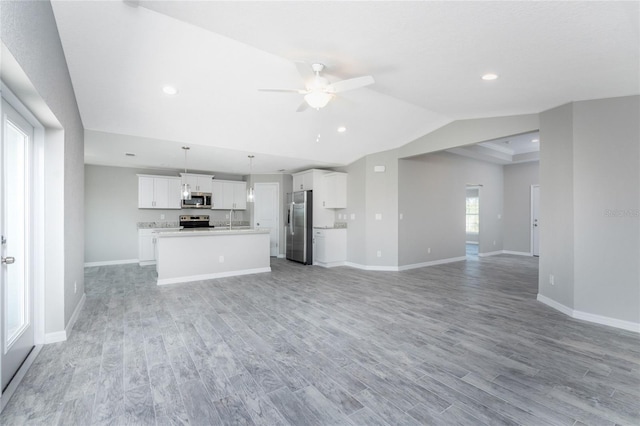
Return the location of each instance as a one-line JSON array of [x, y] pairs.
[[342, 129], [535, 140], [129, 154], [170, 90], [490, 76]]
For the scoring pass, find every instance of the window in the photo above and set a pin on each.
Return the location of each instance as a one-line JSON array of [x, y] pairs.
[[473, 215]]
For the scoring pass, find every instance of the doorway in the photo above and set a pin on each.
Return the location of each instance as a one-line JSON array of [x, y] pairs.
[[16, 280], [535, 224], [472, 222], [266, 212]]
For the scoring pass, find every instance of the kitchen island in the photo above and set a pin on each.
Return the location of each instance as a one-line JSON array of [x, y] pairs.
[[201, 254]]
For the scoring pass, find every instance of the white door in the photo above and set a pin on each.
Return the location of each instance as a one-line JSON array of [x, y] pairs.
[[266, 211], [15, 226], [535, 224]]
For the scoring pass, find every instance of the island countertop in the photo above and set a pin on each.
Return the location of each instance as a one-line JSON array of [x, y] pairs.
[[210, 232]]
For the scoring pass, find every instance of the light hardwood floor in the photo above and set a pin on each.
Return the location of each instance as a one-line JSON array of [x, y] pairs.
[[461, 343]]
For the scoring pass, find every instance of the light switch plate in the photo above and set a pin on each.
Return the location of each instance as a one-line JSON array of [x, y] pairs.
[[353, 216], [378, 216]]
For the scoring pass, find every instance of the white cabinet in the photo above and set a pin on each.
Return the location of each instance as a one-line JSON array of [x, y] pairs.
[[147, 245], [334, 190], [329, 192], [198, 183], [228, 195], [304, 181], [158, 192], [330, 247]]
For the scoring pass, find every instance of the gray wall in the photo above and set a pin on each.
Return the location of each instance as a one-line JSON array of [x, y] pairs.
[[589, 180], [606, 176], [556, 204], [518, 179], [29, 31], [356, 204], [432, 196], [111, 211]]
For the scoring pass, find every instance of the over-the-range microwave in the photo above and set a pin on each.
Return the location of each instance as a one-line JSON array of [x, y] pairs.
[[199, 200]]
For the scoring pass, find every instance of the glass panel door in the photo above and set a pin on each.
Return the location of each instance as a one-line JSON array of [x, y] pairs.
[[15, 220]]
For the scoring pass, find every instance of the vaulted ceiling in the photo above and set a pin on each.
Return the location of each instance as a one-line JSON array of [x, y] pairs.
[[426, 57]]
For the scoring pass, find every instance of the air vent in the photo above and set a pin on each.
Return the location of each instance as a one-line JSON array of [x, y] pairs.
[[129, 154]]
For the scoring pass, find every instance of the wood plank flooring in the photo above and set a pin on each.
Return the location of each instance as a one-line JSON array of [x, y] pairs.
[[462, 343]]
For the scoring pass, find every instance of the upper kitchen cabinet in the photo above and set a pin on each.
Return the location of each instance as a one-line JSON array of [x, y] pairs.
[[198, 183], [228, 195], [158, 192], [303, 181], [334, 190]]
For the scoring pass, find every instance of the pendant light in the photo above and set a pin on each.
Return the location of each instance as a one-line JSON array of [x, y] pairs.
[[250, 193], [185, 192]]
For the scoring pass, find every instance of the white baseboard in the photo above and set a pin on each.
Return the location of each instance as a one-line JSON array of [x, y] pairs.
[[214, 275], [431, 263], [330, 264], [55, 337], [490, 253], [517, 253], [147, 263], [472, 242], [372, 268], [585, 316], [110, 262], [281, 256], [61, 336], [74, 316]]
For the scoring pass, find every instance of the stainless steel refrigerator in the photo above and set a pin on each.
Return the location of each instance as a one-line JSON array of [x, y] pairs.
[[300, 226]]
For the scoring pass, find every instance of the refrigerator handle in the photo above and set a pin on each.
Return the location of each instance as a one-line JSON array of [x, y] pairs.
[[292, 219]]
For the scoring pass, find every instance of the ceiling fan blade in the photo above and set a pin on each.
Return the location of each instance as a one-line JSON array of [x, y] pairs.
[[304, 70], [300, 91], [350, 84], [303, 107]]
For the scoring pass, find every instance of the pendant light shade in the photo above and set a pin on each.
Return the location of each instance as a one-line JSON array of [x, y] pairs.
[[250, 193], [185, 192]]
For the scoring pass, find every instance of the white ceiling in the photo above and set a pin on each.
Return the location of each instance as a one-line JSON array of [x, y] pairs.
[[508, 150], [426, 58]]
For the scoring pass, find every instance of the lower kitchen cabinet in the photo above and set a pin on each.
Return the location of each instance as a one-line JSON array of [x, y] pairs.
[[147, 245], [330, 247]]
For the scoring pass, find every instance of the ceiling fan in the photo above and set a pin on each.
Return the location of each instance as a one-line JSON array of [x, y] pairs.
[[318, 91]]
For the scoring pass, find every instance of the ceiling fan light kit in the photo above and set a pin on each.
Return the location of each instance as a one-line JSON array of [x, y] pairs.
[[318, 99], [318, 91]]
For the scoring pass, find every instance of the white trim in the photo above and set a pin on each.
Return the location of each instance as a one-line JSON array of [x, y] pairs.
[[214, 275], [147, 262], [330, 264], [489, 253], [281, 256], [55, 337], [472, 242], [431, 263], [372, 268], [594, 318], [75, 315], [15, 381], [517, 253], [112, 262]]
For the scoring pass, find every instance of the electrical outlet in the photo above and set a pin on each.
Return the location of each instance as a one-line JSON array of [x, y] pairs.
[[552, 279], [75, 287], [221, 259], [401, 216], [353, 216], [429, 250], [379, 253], [226, 216], [161, 217], [378, 216], [494, 242]]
